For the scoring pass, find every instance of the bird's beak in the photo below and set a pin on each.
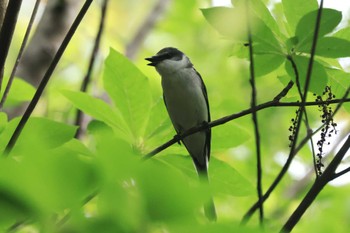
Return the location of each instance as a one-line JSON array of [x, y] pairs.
[[154, 60]]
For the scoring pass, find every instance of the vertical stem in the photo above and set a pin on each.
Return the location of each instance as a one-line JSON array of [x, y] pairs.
[[46, 78], [6, 33], [23, 45], [254, 117], [87, 78]]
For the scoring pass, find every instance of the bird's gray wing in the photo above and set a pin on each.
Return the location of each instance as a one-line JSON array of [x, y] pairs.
[[208, 133]]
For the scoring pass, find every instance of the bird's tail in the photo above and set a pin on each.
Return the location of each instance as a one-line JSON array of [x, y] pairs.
[[209, 206]]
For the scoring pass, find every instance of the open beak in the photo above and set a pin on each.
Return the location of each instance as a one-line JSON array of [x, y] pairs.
[[154, 60]]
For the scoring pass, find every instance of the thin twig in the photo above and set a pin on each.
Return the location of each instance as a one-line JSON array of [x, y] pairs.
[[19, 56], [6, 33], [46, 78], [316, 188], [79, 115], [255, 117], [285, 167]]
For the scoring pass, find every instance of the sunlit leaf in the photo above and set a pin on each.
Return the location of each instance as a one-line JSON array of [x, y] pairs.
[[266, 63], [222, 19], [3, 121], [306, 26], [332, 47], [129, 90], [162, 186], [224, 179], [339, 82], [20, 91], [228, 136], [294, 10], [38, 133], [319, 76], [98, 109]]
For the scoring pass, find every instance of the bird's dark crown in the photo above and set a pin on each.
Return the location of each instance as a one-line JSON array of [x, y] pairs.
[[170, 53]]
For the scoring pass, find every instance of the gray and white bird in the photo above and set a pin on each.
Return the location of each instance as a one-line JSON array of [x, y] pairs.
[[186, 101]]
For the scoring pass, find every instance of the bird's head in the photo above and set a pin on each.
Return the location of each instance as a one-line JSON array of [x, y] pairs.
[[169, 60]]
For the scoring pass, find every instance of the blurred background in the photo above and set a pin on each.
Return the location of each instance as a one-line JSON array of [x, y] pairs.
[[139, 29]]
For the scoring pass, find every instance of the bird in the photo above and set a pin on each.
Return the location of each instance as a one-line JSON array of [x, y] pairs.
[[186, 100]]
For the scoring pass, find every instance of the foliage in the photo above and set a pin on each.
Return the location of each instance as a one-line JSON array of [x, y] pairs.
[[54, 182]]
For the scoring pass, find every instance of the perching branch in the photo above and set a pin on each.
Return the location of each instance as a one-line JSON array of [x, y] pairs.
[[79, 115], [6, 33], [23, 45], [46, 78], [225, 119]]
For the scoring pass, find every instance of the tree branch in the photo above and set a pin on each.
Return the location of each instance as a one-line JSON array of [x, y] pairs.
[[316, 188], [23, 45], [79, 115], [6, 33], [46, 78]]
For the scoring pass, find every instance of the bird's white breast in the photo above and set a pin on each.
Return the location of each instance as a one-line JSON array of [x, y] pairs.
[[184, 98]]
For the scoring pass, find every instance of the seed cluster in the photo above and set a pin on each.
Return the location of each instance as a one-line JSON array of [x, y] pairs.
[[329, 126], [292, 128]]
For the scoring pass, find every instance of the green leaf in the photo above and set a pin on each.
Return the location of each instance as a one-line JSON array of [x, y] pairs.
[[319, 78], [266, 63], [306, 26], [129, 90], [98, 109], [222, 19], [339, 82], [261, 11], [162, 186], [228, 136], [38, 134], [330, 47], [294, 10], [224, 179], [3, 121], [263, 38], [343, 33], [20, 91]]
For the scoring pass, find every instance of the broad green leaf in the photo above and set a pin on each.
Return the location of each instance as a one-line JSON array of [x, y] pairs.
[[130, 91], [14, 203], [38, 134], [224, 179], [98, 109], [229, 22], [162, 186], [294, 10], [339, 82], [160, 127], [306, 26], [343, 33], [264, 41], [20, 91], [263, 38], [228, 136], [330, 47], [266, 63], [50, 181], [319, 76], [261, 11]]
